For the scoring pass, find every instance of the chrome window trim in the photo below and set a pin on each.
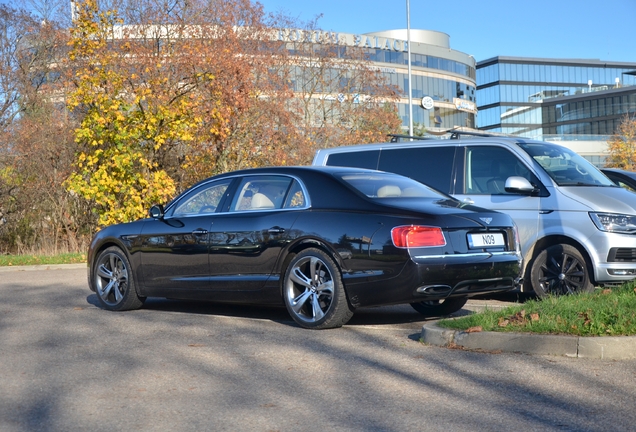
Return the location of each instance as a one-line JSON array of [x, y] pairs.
[[169, 212]]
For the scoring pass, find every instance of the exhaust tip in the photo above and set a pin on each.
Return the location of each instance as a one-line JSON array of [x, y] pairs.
[[435, 289]]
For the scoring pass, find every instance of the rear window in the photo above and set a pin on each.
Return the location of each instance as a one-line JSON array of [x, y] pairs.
[[386, 185]]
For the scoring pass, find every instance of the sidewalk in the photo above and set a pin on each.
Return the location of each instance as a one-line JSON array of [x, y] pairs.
[[41, 267], [606, 348]]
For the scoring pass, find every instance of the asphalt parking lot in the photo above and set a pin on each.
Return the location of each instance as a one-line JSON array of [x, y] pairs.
[[66, 365]]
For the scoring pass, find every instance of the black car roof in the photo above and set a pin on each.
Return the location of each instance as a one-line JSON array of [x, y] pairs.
[[296, 168], [290, 170], [619, 170]]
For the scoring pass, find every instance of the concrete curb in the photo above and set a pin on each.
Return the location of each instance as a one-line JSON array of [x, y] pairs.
[[605, 348], [4, 269]]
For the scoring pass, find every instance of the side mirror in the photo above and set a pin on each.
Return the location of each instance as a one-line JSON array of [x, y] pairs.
[[156, 211], [519, 185]]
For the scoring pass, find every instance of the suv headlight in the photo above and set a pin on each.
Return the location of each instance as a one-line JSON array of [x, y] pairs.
[[616, 223]]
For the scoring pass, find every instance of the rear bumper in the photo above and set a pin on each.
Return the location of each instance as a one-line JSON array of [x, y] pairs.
[[440, 277]]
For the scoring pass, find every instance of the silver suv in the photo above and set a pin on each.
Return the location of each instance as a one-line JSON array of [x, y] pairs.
[[577, 228]]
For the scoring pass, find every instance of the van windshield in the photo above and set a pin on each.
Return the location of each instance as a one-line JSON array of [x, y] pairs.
[[567, 168]]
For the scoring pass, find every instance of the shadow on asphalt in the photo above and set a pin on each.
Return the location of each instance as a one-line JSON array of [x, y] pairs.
[[371, 316]]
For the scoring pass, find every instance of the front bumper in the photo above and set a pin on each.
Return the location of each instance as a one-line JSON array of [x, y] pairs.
[[613, 257]]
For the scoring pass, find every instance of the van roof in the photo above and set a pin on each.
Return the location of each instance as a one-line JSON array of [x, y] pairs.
[[506, 140], [461, 138]]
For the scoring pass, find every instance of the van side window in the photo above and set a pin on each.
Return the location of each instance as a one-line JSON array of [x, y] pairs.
[[429, 165], [363, 159], [487, 169]]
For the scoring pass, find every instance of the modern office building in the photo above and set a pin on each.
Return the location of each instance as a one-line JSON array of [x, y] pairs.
[[572, 100], [442, 79]]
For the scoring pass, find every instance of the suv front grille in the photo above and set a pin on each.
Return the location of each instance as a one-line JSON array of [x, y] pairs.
[[622, 255]]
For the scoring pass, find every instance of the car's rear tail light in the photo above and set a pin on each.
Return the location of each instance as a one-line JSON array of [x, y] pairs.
[[414, 236]]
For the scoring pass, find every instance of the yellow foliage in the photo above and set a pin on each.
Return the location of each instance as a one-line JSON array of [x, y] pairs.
[[622, 146]]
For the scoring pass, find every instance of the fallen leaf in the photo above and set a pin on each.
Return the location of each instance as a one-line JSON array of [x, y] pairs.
[[606, 291], [503, 322], [475, 329], [534, 317], [195, 345]]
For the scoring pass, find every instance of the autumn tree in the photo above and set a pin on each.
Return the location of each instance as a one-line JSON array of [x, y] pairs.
[[41, 214], [26, 48], [159, 94], [340, 97], [49, 11], [171, 92], [36, 213], [164, 94], [622, 146]]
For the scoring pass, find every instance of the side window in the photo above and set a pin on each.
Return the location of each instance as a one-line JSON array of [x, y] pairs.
[[362, 159], [432, 166], [488, 167], [203, 200], [296, 197], [262, 192]]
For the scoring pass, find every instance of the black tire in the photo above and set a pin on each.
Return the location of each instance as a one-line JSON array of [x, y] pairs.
[[437, 308], [113, 281], [558, 270], [313, 291]]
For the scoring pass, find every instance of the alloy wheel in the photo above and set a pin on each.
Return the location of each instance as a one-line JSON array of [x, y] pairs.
[[111, 279]]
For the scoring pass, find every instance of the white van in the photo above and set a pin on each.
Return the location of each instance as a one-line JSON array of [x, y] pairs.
[[577, 228]]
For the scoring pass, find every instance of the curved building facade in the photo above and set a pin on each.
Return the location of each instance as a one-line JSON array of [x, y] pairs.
[[443, 81]]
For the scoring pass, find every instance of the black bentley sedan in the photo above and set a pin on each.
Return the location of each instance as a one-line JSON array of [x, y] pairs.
[[322, 240], [624, 178]]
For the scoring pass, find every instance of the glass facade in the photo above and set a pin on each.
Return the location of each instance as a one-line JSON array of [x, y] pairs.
[[423, 83], [542, 97], [421, 60], [448, 77]]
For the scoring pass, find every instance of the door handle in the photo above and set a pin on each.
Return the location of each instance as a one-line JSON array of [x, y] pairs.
[[276, 230], [200, 231]]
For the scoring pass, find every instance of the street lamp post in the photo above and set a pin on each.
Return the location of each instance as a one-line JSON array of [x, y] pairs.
[[408, 41]]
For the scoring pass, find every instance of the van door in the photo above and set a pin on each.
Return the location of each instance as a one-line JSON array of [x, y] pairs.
[[486, 169]]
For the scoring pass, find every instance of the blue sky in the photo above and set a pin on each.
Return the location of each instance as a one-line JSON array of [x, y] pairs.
[[587, 29]]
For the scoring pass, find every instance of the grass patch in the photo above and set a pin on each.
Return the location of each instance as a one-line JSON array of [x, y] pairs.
[[605, 312], [20, 260]]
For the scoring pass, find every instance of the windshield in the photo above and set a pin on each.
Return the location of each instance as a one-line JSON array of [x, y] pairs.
[[387, 185], [566, 167]]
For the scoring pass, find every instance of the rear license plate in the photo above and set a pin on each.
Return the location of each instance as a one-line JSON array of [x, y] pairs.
[[485, 240]]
